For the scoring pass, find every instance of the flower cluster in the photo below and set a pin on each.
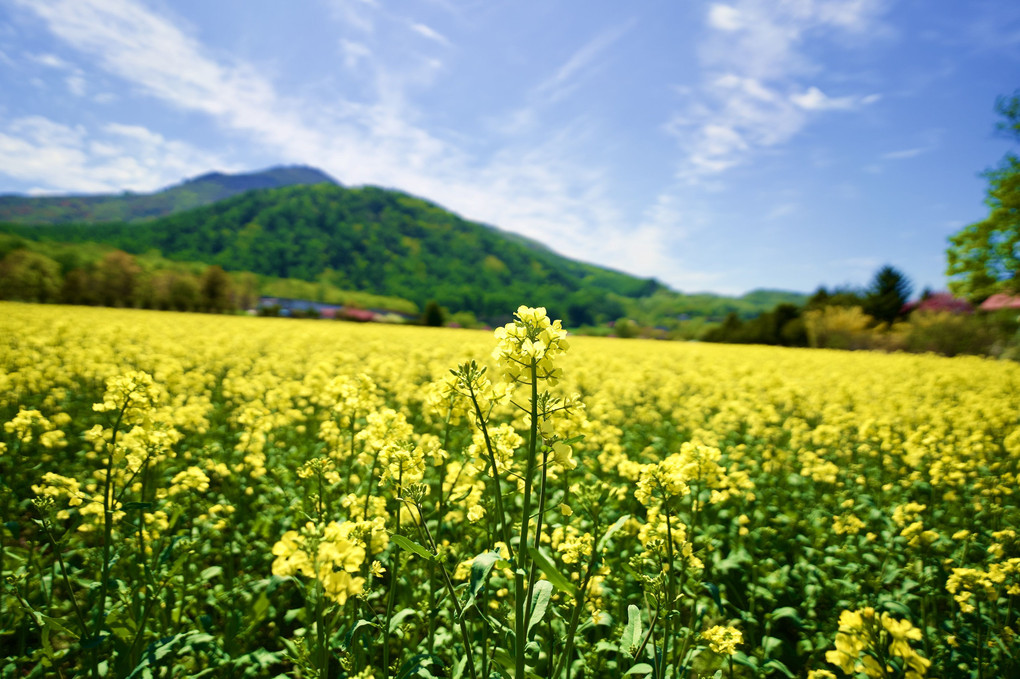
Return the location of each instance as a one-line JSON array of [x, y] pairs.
[[327, 553], [963, 583], [532, 340], [135, 393], [870, 643], [722, 639]]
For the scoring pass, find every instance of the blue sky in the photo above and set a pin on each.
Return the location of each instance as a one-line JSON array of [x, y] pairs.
[[720, 146]]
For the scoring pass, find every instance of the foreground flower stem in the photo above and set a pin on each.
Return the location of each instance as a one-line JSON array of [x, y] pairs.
[[426, 534], [320, 629], [63, 572], [668, 641], [563, 664], [520, 619], [538, 531], [104, 584], [392, 594], [497, 489]]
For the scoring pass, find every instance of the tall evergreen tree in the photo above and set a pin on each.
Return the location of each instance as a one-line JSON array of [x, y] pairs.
[[887, 294]]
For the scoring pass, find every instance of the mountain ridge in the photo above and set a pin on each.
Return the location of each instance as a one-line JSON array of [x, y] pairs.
[[128, 206], [382, 241]]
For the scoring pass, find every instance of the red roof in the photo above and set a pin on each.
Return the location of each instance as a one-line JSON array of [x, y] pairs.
[[1000, 301]]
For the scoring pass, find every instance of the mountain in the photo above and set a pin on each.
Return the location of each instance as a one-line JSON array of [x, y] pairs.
[[371, 239], [126, 207]]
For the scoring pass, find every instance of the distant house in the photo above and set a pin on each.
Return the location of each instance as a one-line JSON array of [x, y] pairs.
[[941, 301], [303, 308], [283, 306], [1000, 301]]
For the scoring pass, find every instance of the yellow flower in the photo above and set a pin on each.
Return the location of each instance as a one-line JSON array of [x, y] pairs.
[[723, 640]]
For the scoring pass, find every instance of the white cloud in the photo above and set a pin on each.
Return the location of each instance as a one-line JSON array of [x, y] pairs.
[[51, 61], [354, 53], [76, 84], [430, 34], [539, 188], [60, 158], [816, 100], [560, 83], [905, 153], [360, 14], [754, 93], [725, 18]]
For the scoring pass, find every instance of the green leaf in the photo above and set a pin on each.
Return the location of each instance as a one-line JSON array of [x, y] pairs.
[[631, 639], [359, 625], [551, 572], [411, 546], [400, 617], [160, 653], [611, 531], [422, 662], [481, 566], [713, 590], [774, 664], [897, 608], [211, 572], [786, 612], [640, 668], [742, 658], [540, 602], [770, 644]]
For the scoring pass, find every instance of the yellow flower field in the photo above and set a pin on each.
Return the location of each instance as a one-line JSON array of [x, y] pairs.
[[196, 495]]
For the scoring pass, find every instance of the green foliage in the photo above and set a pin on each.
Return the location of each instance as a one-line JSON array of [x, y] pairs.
[[375, 240], [29, 276], [887, 295], [433, 316], [129, 206], [782, 326], [984, 257]]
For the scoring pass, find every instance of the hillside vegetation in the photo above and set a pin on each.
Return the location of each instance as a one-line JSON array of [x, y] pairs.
[[127, 206], [370, 239]]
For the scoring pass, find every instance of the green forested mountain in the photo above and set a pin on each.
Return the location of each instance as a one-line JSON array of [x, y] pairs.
[[372, 239], [127, 207]]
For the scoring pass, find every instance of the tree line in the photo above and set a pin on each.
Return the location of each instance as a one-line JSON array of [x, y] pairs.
[[118, 280]]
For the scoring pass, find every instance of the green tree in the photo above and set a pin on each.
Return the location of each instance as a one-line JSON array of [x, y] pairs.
[[117, 277], [29, 276], [887, 294], [433, 315], [217, 290], [984, 258]]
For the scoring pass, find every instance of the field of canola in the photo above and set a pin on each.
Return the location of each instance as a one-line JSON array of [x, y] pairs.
[[192, 495]]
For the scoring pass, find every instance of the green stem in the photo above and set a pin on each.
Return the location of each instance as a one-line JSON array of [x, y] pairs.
[[350, 460], [575, 616], [520, 622], [104, 585], [368, 491], [67, 581], [433, 612], [423, 530], [538, 532], [320, 629], [391, 595], [667, 640], [497, 487]]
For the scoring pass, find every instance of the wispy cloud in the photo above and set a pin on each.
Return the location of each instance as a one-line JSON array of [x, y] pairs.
[[905, 153], [53, 157], [536, 187], [757, 91], [430, 34], [581, 62]]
